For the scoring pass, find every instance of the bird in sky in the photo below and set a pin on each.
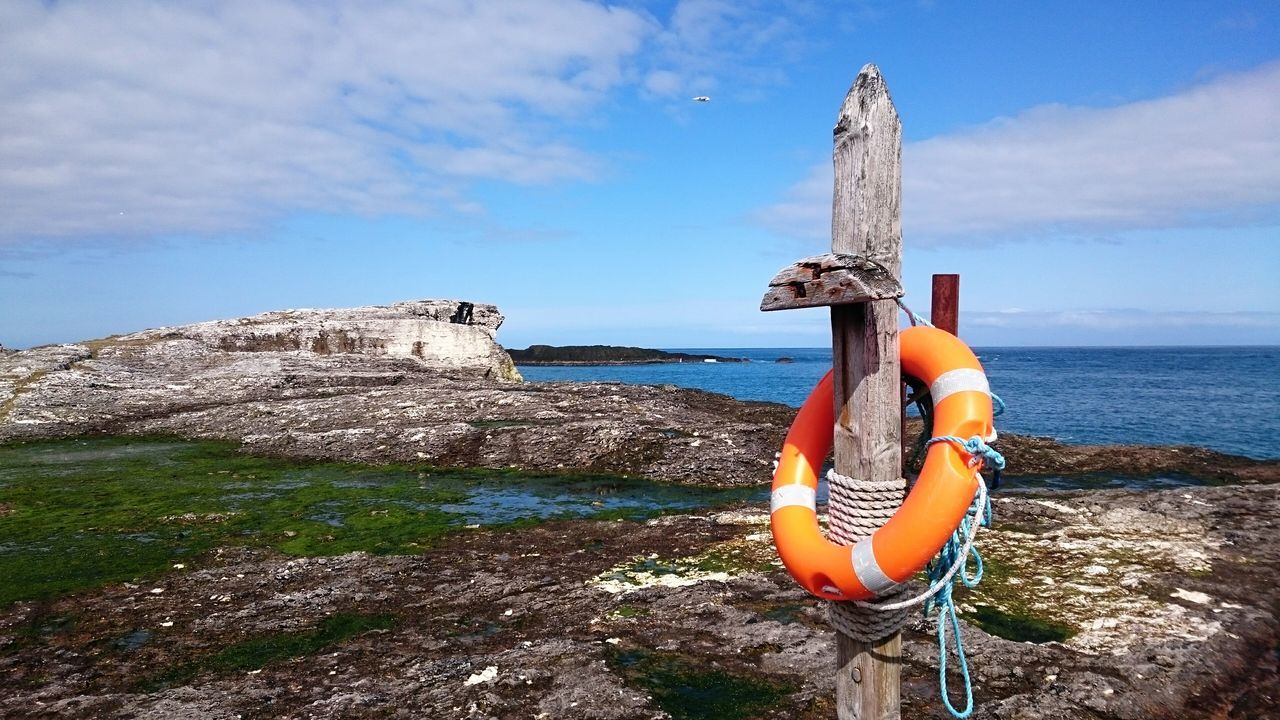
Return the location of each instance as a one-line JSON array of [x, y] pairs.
[[702, 98]]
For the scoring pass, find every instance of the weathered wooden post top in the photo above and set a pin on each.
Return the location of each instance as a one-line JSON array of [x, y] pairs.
[[859, 280]]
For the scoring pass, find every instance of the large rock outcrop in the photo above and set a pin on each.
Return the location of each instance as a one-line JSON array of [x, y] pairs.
[[424, 382], [411, 382], [449, 334], [88, 386]]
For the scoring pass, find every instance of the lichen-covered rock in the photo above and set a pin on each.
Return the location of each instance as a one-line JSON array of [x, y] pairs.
[[21, 371], [574, 619], [440, 333], [69, 388], [355, 385]]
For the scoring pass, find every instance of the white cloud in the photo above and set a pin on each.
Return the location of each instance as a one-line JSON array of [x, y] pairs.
[[665, 83], [1124, 319], [1112, 326], [806, 210], [138, 118], [705, 39], [1209, 154]]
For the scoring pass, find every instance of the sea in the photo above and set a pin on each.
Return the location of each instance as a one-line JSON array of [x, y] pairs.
[[1223, 398]]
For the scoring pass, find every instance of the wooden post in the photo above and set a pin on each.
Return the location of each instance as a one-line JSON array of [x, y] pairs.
[[944, 312], [866, 221], [859, 280]]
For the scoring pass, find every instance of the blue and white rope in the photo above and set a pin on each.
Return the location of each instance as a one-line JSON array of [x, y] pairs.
[[980, 454], [951, 562], [953, 558]]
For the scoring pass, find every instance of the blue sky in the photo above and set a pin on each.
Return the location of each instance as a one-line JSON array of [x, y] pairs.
[[1097, 173]]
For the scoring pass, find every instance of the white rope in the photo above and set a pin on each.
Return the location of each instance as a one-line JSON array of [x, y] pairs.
[[856, 509]]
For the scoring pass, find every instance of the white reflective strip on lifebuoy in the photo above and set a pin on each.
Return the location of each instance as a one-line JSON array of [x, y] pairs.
[[959, 380], [867, 568], [789, 495]]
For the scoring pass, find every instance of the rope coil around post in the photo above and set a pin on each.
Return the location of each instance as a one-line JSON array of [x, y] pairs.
[[856, 509], [870, 621]]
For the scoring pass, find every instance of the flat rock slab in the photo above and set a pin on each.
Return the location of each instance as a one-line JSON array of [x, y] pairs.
[[1170, 596], [344, 407], [379, 409]]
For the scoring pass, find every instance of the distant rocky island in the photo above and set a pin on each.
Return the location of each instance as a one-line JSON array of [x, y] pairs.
[[606, 355]]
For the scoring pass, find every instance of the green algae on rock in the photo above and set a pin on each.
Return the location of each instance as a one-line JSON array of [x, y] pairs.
[[1019, 628], [1176, 643], [687, 689], [84, 512], [258, 652]]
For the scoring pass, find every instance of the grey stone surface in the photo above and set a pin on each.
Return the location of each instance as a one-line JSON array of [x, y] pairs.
[[372, 398], [1170, 595], [1181, 625], [398, 383]]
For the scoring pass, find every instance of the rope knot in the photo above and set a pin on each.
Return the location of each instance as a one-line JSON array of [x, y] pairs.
[[981, 455]]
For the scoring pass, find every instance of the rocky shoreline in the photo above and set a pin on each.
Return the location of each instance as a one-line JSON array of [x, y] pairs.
[[356, 385], [1116, 604], [1168, 598]]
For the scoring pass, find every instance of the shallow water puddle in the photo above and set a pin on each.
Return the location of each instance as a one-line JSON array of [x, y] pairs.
[[1101, 482], [88, 511], [549, 497]]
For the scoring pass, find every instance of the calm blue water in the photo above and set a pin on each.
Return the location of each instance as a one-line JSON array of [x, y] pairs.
[[1227, 399]]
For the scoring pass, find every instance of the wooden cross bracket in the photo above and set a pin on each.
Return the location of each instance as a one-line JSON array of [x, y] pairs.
[[831, 279]]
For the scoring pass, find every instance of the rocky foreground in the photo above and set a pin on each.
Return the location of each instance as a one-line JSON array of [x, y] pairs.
[[1169, 596], [1115, 604]]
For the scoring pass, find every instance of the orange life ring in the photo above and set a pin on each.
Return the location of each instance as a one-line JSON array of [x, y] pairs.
[[931, 512]]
